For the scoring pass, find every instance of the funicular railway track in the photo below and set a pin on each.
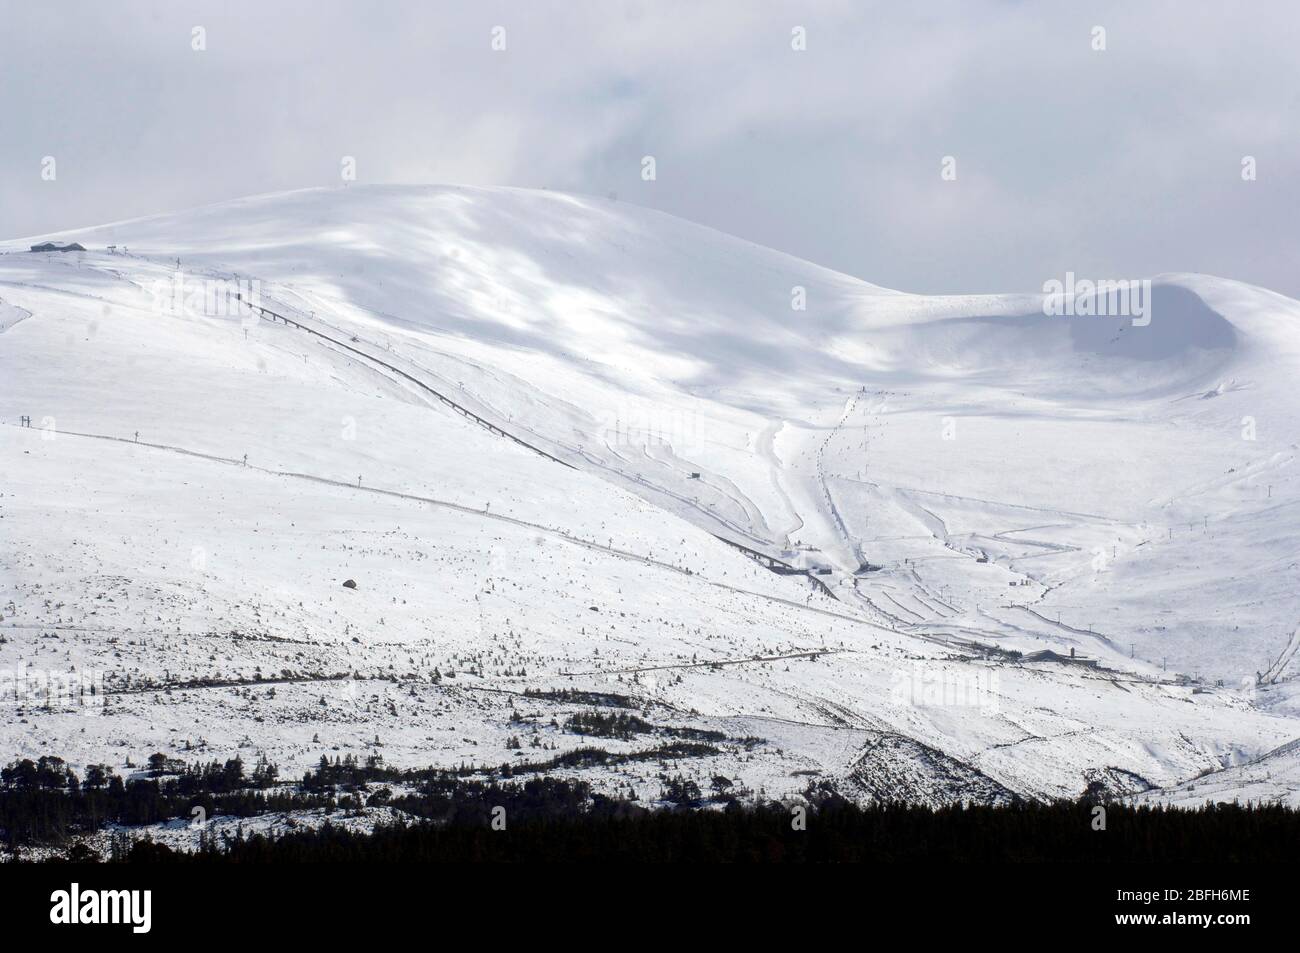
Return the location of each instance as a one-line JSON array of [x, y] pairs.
[[770, 562], [458, 408]]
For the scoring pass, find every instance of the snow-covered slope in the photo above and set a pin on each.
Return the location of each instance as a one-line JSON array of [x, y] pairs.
[[1021, 482]]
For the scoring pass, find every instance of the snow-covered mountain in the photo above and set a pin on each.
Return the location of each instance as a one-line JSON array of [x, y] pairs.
[[536, 431]]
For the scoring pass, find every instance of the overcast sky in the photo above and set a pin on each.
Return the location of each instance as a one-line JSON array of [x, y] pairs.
[[1117, 163]]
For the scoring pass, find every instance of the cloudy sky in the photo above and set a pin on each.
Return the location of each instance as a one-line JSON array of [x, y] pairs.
[[1120, 162]]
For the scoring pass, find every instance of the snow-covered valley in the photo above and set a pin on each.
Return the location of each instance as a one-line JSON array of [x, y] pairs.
[[536, 429]]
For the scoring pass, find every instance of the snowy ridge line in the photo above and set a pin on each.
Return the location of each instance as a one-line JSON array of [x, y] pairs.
[[483, 514], [463, 411]]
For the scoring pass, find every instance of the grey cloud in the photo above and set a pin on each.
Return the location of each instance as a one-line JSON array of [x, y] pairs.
[[1120, 163]]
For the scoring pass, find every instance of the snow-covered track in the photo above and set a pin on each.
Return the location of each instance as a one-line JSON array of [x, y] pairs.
[[458, 408]]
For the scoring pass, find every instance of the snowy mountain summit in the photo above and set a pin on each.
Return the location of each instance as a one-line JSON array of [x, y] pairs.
[[572, 454]]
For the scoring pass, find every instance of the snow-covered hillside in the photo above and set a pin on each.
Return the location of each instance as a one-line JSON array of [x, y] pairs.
[[535, 428]]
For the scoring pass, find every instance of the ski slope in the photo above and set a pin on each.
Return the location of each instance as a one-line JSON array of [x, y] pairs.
[[196, 487]]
